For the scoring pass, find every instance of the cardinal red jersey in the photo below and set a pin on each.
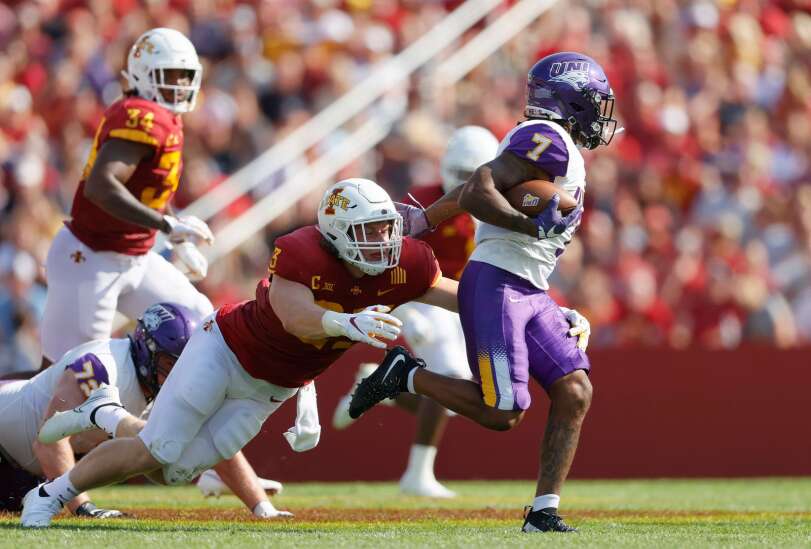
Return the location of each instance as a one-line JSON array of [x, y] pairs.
[[154, 181], [453, 240], [256, 335]]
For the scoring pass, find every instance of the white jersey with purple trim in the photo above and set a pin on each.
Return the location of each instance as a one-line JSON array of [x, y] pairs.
[[550, 148], [23, 403]]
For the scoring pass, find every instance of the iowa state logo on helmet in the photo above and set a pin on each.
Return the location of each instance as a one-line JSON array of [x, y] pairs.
[[335, 200]]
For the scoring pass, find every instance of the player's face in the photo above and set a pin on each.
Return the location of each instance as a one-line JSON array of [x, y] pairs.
[[176, 77], [374, 233], [165, 364]]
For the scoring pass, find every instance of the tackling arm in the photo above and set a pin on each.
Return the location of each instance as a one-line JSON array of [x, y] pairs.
[[295, 306], [115, 164], [57, 458], [481, 195]]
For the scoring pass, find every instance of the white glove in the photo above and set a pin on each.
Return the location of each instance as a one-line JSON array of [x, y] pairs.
[[366, 326], [580, 327], [188, 228], [266, 510], [417, 329], [192, 259]]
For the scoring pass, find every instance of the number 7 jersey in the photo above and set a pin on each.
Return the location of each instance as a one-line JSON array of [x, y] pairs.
[[153, 182]]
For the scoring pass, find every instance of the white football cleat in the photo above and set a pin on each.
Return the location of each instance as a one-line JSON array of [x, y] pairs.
[[39, 508], [341, 418], [424, 487], [210, 484], [78, 420]]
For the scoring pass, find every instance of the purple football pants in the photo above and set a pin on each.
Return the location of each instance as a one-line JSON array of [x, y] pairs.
[[513, 331]]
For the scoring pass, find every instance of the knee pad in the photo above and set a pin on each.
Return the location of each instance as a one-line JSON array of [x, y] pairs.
[[198, 456], [164, 451]]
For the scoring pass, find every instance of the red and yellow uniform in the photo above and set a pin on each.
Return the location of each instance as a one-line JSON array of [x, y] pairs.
[[453, 240], [256, 335], [154, 181]]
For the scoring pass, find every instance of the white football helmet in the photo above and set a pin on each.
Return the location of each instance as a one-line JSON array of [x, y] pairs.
[[468, 148], [153, 53], [345, 216]]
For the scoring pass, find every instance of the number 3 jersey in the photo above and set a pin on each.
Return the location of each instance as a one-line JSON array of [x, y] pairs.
[[153, 183], [547, 146], [24, 403], [267, 351]]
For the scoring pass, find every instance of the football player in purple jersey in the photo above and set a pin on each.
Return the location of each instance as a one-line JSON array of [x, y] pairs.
[[569, 105]]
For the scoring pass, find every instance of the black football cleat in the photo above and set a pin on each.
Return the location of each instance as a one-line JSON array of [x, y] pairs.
[[544, 521], [387, 381]]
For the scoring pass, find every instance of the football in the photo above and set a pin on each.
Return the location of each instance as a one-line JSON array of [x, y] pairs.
[[530, 197]]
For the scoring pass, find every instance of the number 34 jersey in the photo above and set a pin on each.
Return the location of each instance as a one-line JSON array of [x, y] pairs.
[[267, 351], [154, 181]]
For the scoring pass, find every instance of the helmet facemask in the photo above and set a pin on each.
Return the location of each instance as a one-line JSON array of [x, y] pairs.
[[601, 129], [183, 96], [372, 248]]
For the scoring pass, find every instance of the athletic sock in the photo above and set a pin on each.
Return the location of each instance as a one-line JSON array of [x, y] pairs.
[[61, 488], [421, 461], [410, 382], [108, 417], [546, 502]]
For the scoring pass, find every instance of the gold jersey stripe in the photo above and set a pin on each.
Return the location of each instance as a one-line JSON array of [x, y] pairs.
[[134, 135]]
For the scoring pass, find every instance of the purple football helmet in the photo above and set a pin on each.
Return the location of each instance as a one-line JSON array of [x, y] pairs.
[[572, 87], [159, 337]]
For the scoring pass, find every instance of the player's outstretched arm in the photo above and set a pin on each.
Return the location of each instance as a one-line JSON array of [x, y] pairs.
[[105, 186], [482, 195], [57, 458], [295, 306], [417, 220], [442, 294], [240, 477]]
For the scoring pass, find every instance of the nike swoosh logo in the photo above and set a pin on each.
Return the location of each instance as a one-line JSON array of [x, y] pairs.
[[383, 292], [513, 300], [394, 362], [274, 399]]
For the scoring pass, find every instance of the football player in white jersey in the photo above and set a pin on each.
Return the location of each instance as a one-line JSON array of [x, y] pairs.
[[131, 371], [513, 329]]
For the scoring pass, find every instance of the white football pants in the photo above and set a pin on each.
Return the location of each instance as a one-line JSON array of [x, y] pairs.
[[85, 288]]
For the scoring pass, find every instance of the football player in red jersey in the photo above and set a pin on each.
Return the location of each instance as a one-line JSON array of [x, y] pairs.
[[435, 334], [329, 286], [101, 261]]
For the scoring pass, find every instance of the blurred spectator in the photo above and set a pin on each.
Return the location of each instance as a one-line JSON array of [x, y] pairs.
[[698, 222]]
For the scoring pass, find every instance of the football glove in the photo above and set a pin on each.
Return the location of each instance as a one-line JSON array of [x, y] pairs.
[[415, 222], [366, 326], [266, 510], [195, 263], [89, 509], [188, 228], [551, 223], [580, 327]]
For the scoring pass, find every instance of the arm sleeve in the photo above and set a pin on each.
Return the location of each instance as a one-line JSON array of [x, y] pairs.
[[542, 146], [89, 372], [141, 124]]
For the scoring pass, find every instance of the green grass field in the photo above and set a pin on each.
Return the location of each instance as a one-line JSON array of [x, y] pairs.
[[656, 513]]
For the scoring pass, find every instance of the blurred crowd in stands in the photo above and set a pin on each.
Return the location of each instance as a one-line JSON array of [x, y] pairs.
[[698, 222]]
